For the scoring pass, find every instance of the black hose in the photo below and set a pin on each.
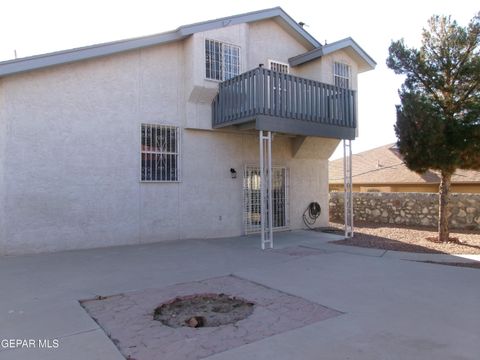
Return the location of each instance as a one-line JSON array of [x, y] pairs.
[[311, 214]]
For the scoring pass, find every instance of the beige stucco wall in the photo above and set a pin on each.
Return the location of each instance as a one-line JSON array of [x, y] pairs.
[[69, 182], [269, 35], [465, 188], [70, 150], [3, 137], [322, 69]]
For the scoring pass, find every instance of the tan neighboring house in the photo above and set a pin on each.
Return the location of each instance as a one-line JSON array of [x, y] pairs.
[[382, 170]]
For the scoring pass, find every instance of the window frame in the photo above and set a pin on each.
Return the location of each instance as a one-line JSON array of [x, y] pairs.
[[270, 62], [222, 64], [177, 153], [347, 78]]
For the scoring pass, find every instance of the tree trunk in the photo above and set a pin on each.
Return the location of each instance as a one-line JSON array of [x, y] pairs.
[[443, 226]]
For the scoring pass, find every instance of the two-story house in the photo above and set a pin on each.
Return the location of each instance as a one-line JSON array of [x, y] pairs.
[[168, 136]]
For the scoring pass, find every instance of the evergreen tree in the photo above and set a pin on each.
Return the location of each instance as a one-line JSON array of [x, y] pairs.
[[438, 121]]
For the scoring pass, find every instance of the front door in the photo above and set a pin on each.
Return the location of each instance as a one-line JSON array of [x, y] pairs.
[[251, 196]]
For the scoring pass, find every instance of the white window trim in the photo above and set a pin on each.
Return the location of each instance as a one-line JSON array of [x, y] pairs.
[[348, 78], [240, 62], [270, 61], [179, 155]]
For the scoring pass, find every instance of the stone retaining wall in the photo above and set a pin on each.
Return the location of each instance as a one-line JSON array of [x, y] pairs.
[[409, 209]]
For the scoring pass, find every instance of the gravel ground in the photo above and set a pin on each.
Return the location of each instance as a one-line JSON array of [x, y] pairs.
[[401, 238]]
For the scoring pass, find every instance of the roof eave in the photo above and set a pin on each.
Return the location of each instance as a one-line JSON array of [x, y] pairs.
[[16, 66], [367, 62], [83, 53], [276, 12]]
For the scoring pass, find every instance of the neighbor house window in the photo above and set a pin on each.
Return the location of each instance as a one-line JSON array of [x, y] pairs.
[[342, 75], [278, 66], [160, 153], [222, 61]]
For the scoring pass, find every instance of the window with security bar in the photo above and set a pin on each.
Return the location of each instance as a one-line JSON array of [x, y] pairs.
[[278, 66], [222, 61], [160, 153], [342, 75]]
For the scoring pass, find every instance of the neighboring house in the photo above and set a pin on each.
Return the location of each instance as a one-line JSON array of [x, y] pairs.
[[157, 138], [382, 170]]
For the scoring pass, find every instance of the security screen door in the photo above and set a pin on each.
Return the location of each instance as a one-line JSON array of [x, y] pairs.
[[251, 196]]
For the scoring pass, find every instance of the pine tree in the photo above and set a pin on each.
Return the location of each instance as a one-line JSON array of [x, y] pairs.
[[438, 121]]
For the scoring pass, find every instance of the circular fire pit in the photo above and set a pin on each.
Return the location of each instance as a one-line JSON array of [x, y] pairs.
[[204, 310]]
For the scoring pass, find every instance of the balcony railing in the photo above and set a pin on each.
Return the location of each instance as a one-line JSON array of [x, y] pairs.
[[265, 92]]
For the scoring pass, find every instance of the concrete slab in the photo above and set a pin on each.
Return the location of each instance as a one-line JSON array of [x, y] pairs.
[[43, 319], [319, 240], [355, 250], [432, 257], [394, 309], [85, 273], [91, 345], [340, 339]]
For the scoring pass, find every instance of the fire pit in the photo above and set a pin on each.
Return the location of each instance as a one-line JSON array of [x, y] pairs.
[[197, 319], [203, 310]]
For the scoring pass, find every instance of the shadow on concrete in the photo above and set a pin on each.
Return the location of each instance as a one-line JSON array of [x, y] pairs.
[[392, 241], [364, 239]]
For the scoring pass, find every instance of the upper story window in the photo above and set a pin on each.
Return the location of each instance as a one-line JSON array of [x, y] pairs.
[[222, 61], [342, 75], [160, 153], [278, 66]]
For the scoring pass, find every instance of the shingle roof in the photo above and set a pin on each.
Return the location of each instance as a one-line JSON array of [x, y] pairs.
[[384, 165]]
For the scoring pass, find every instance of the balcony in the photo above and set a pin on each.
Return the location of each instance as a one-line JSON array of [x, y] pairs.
[[268, 100]]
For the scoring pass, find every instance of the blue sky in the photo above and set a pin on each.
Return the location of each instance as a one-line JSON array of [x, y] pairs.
[[33, 27]]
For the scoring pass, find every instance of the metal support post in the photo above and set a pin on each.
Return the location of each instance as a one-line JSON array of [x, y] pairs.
[[266, 215], [347, 188]]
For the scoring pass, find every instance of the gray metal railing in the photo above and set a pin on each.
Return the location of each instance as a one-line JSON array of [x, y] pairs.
[[266, 92]]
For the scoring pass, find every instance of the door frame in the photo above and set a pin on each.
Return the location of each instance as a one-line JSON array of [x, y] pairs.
[[248, 226]]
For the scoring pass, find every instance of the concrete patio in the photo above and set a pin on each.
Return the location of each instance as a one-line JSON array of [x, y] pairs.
[[393, 309]]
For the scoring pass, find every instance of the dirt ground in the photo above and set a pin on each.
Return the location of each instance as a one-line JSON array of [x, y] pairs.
[[410, 239], [210, 309]]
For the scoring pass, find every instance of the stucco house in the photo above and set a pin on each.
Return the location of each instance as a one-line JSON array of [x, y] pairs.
[[168, 136], [382, 170]]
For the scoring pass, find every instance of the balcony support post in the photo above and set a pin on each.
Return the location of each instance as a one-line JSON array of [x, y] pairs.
[[266, 214], [347, 188]]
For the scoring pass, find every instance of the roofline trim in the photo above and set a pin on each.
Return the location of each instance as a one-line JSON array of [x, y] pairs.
[[15, 66], [330, 48]]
